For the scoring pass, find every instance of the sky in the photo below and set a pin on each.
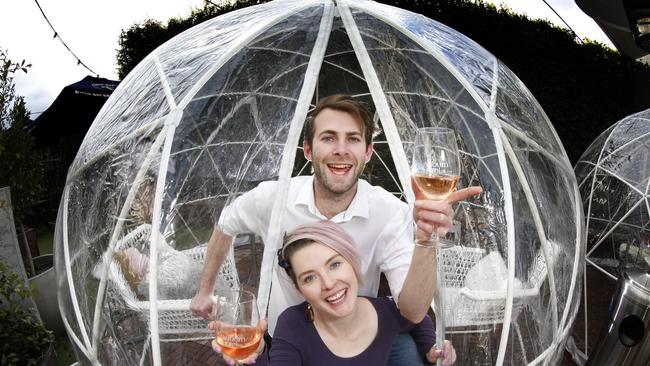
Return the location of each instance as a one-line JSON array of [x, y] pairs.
[[91, 30]]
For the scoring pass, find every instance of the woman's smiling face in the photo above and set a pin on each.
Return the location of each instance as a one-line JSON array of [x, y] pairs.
[[326, 280]]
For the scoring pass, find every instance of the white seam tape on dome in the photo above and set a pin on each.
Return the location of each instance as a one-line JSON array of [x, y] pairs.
[[228, 54], [256, 93], [443, 61], [144, 128], [498, 135], [611, 173], [615, 226], [542, 357], [388, 123], [449, 99], [288, 156], [459, 108], [601, 269], [283, 50], [625, 224], [432, 51], [223, 122], [552, 348], [154, 240], [521, 342], [587, 175], [494, 91], [591, 196], [539, 226], [117, 230], [501, 141], [564, 165], [647, 204], [630, 142], [68, 270], [164, 82], [181, 152], [586, 307], [378, 97], [360, 77], [145, 348], [404, 52], [580, 243], [76, 340], [510, 231], [390, 173]]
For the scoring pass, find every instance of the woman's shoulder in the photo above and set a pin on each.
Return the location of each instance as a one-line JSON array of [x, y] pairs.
[[292, 318], [385, 306], [382, 301], [293, 311]]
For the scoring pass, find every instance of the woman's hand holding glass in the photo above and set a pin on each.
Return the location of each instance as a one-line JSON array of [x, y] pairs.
[[239, 331]]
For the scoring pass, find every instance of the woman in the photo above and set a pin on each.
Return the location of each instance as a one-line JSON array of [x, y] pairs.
[[334, 326]]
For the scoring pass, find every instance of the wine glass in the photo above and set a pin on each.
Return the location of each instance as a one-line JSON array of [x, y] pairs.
[[436, 169], [237, 318]]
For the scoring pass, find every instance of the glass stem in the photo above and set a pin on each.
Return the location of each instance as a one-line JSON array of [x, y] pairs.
[[440, 301]]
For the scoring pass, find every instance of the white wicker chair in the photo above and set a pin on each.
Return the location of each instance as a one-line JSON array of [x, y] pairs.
[[174, 316], [465, 307]]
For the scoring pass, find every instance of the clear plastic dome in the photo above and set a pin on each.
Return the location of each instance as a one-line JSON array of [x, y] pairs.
[[220, 107], [614, 178]]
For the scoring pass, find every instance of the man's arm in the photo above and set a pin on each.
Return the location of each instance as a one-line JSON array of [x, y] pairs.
[[420, 284], [218, 247]]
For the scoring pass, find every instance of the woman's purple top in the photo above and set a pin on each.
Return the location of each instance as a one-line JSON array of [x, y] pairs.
[[296, 341]]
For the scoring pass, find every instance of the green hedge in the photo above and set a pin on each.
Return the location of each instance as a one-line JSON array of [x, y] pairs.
[[583, 88]]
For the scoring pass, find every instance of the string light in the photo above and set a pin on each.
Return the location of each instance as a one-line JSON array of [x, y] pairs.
[[56, 35], [563, 21]]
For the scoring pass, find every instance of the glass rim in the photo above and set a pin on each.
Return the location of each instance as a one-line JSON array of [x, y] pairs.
[[230, 293]]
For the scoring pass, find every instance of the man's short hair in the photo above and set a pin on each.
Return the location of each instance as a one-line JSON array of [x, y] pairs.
[[344, 103]]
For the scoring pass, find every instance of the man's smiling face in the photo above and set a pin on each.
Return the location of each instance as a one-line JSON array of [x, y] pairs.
[[338, 151]]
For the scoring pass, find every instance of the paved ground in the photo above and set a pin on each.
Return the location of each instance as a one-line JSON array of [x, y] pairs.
[[199, 353], [600, 290]]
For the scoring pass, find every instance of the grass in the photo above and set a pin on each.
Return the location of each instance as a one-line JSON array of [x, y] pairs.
[[64, 352], [45, 239]]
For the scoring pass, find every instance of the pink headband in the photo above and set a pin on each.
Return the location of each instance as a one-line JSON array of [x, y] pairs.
[[326, 233]]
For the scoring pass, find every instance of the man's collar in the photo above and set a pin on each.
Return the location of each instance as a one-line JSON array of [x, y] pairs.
[[306, 195], [358, 207]]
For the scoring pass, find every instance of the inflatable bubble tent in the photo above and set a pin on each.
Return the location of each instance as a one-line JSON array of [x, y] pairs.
[[219, 108], [613, 176]]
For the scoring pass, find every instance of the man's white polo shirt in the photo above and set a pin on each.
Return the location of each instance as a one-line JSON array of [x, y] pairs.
[[380, 224]]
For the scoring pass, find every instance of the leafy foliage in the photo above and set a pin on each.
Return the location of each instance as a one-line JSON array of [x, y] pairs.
[[583, 88], [20, 164], [139, 40], [23, 338], [7, 87]]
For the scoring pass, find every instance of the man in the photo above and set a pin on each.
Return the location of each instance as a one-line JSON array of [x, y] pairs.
[[338, 142]]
